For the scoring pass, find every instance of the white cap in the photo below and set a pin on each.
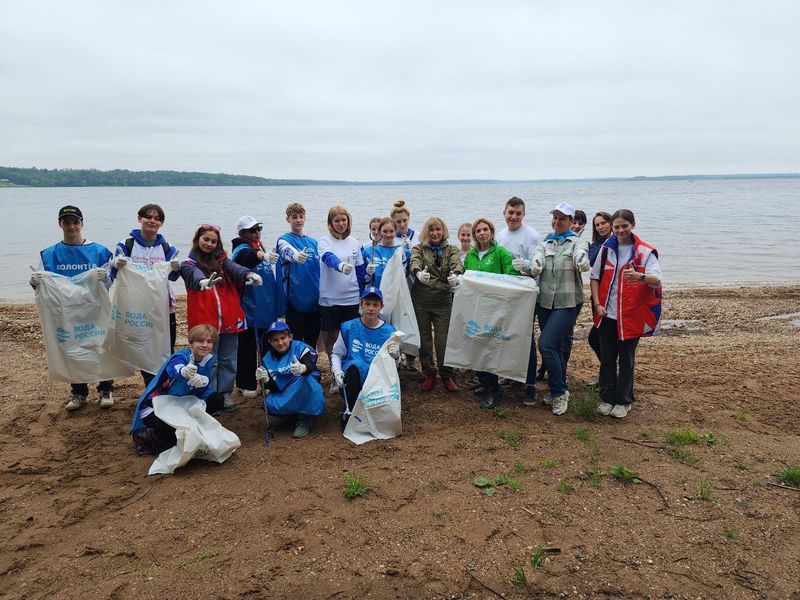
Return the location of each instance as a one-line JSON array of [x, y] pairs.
[[565, 208], [246, 222]]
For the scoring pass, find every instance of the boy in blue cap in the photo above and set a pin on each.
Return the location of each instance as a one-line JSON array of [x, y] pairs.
[[358, 344], [290, 378]]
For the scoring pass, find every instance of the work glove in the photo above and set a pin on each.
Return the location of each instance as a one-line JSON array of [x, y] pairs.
[[36, 278], [523, 265], [100, 273], [582, 262], [393, 348], [345, 267], [302, 256], [189, 370], [262, 375], [272, 257], [197, 381], [370, 268], [120, 261], [452, 279], [174, 262], [338, 377], [536, 267], [254, 279], [297, 368], [423, 276], [208, 283]]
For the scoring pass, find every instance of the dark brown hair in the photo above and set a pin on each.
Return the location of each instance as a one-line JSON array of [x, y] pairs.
[[151, 207], [209, 262], [596, 239]]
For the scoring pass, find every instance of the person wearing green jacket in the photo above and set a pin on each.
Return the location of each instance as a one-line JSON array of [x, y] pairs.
[[435, 266], [487, 256]]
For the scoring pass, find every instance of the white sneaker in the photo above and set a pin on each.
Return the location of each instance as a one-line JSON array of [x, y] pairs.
[[560, 404], [75, 402], [248, 393], [106, 399], [620, 411], [228, 405], [547, 400], [605, 408]]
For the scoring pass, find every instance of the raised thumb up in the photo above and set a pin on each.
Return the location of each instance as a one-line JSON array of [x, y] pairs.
[[297, 368], [423, 276]]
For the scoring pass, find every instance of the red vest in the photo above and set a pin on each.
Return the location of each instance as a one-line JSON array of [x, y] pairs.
[[638, 304], [219, 307]]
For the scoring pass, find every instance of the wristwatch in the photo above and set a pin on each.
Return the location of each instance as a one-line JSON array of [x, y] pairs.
[[641, 276]]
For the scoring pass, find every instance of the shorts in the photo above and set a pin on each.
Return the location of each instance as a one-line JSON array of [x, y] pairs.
[[334, 316]]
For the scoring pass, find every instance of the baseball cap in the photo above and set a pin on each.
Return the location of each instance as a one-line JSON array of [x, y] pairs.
[[70, 211], [372, 291], [246, 222], [277, 327], [564, 208]]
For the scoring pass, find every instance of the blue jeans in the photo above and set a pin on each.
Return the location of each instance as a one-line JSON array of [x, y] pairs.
[[225, 352], [554, 324]]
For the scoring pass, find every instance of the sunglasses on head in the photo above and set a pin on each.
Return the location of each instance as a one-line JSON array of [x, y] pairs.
[[254, 229], [206, 226]]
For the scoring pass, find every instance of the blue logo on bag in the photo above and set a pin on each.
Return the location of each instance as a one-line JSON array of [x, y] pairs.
[[138, 320], [62, 335], [474, 329], [380, 397], [115, 313]]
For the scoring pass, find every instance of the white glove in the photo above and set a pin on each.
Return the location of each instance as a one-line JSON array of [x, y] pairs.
[[523, 265], [174, 262], [536, 267], [423, 276], [393, 348], [197, 381], [346, 268], [100, 273], [582, 262], [254, 279], [262, 375], [338, 377], [302, 256], [120, 261], [207, 284], [189, 370], [452, 279], [36, 278], [272, 257], [297, 368], [370, 268]]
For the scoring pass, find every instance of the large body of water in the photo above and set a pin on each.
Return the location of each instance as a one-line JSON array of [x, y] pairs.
[[706, 231]]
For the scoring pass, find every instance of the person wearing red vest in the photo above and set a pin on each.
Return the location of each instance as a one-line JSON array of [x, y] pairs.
[[626, 295]]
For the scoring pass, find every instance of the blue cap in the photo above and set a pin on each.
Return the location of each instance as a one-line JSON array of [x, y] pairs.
[[372, 291], [278, 326]]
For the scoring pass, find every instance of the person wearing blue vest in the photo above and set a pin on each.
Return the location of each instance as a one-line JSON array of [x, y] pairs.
[[289, 377], [72, 256], [188, 372], [377, 256], [298, 272], [356, 347], [261, 304]]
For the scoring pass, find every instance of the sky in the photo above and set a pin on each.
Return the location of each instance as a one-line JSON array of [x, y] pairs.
[[379, 90]]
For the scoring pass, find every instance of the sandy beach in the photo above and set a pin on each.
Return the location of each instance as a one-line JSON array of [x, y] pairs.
[[708, 519]]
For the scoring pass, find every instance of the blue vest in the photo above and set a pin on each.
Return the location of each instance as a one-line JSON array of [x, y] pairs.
[[176, 386], [298, 394], [382, 256], [363, 344], [262, 304], [69, 260], [300, 282]]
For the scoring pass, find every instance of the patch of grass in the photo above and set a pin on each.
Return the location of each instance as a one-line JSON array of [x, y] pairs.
[[582, 434], [512, 438], [355, 486], [731, 533], [595, 477], [198, 558], [547, 464], [440, 513], [565, 487], [519, 579], [538, 557], [501, 480], [624, 474], [682, 454], [705, 489], [518, 468], [742, 466], [683, 437], [500, 413], [595, 456], [584, 404], [434, 485], [646, 434], [790, 476], [740, 416], [514, 485]]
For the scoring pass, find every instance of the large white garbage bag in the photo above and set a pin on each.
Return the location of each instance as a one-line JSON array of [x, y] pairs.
[[398, 309], [491, 324], [75, 313], [376, 414], [139, 331], [199, 434]]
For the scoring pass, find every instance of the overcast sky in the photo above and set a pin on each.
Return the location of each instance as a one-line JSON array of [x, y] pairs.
[[402, 90]]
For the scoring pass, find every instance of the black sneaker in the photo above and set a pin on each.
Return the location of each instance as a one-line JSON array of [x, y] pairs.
[[492, 401], [480, 391]]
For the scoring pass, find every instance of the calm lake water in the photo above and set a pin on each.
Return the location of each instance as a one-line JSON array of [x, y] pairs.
[[707, 232]]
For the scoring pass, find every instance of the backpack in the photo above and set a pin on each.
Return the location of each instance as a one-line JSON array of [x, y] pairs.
[[129, 247]]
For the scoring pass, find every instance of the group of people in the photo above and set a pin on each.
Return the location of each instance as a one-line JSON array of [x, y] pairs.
[[255, 315]]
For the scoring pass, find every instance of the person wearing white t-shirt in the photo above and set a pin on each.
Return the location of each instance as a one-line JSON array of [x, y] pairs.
[[342, 274], [521, 240]]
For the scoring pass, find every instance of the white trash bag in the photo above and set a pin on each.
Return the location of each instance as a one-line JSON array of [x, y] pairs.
[[75, 313], [139, 331], [376, 414], [398, 309], [199, 434], [491, 324]]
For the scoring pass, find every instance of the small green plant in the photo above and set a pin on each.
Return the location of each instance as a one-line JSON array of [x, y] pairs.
[[514, 485], [646, 434], [519, 579], [518, 467], [682, 454], [740, 416], [512, 438], [594, 458], [731, 533], [742, 466], [199, 557], [790, 476], [565, 487], [705, 489], [683, 437], [582, 434], [584, 404], [501, 480], [440, 513], [500, 413], [355, 486], [538, 557], [547, 464], [624, 474], [710, 438], [595, 477]]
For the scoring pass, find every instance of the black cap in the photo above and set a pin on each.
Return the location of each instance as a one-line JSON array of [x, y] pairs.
[[70, 211]]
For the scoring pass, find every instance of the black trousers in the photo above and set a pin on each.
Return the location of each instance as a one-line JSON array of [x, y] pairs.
[[617, 362], [352, 388], [247, 360], [594, 341], [305, 326], [82, 389], [173, 336], [165, 434]]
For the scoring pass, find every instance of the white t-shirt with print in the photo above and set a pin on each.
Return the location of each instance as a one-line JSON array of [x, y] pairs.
[[652, 267], [336, 288], [520, 242]]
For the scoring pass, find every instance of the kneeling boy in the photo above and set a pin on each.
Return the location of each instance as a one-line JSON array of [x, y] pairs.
[[186, 373], [290, 378], [358, 344]]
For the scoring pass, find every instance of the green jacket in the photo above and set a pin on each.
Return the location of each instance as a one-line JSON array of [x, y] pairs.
[[437, 289], [496, 260]]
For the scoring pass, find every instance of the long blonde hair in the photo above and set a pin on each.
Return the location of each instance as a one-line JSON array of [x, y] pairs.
[[335, 211]]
